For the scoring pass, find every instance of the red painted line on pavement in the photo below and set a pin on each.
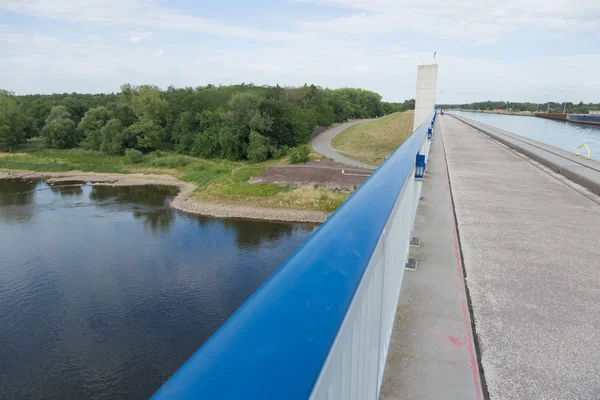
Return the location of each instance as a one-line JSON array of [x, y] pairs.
[[465, 318], [455, 340], [468, 339]]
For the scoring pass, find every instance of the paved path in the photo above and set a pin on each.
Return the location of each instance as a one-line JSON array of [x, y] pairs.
[[578, 169], [530, 243], [432, 354], [322, 145]]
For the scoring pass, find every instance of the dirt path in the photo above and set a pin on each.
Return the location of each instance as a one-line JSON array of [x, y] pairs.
[[322, 145], [183, 201]]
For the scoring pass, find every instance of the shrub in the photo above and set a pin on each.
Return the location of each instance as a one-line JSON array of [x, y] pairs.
[[258, 149], [159, 154], [278, 152], [61, 133], [170, 162], [299, 154], [133, 156]]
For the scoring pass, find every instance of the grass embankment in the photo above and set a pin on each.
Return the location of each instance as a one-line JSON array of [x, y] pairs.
[[217, 181], [375, 140]]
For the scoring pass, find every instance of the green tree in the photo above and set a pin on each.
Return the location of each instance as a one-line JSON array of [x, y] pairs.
[[91, 124], [61, 133], [31, 128], [242, 117], [113, 137], [58, 112], [144, 135], [184, 130], [76, 106], [60, 130], [207, 144], [12, 124], [147, 103], [258, 148]]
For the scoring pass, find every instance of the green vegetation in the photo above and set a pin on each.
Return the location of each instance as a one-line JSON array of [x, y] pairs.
[[134, 156], [240, 122], [370, 160], [378, 138], [222, 181], [572, 108], [12, 124], [146, 129], [299, 154]]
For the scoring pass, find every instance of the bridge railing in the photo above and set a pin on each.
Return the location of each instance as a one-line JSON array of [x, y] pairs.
[[320, 327]]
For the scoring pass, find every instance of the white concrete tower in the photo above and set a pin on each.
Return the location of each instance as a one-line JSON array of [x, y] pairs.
[[425, 98]]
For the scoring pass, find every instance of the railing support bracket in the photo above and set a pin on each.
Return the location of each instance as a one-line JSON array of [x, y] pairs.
[[411, 264]]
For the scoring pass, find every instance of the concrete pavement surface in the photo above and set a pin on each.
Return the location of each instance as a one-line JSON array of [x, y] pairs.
[[322, 145], [530, 244], [578, 169], [432, 353]]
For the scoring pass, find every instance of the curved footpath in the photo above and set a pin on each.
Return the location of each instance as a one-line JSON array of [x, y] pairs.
[[322, 145]]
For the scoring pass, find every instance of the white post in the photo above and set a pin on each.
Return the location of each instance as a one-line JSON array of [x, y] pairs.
[[425, 97]]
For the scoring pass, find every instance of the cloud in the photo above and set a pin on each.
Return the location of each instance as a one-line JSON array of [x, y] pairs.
[[134, 13], [136, 37], [474, 22], [374, 44]]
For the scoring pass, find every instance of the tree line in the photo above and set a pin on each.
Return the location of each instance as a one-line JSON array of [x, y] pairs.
[[571, 108], [234, 122]]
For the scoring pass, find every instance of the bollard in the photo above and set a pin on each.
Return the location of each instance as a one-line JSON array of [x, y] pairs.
[[420, 166]]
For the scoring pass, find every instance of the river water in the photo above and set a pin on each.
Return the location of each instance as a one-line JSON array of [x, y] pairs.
[[564, 135], [105, 292]]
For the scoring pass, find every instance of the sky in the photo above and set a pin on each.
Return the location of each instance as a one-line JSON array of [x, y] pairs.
[[525, 50]]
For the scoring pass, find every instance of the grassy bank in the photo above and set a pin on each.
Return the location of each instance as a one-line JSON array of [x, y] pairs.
[[370, 160], [377, 138], [217, 181]]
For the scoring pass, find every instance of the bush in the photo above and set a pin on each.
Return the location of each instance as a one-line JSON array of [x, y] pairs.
[[170, 162], [299, 154], [61, 133], [133, 156], [258, 149], [158, 154], [278, 152]]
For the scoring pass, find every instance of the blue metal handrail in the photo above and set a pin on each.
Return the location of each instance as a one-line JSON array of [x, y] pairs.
[[274, 346]]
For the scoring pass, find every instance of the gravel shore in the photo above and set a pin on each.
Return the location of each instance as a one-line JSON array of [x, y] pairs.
[[182, 201]]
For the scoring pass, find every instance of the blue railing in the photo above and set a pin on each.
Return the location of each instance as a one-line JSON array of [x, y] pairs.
[[276, 344]]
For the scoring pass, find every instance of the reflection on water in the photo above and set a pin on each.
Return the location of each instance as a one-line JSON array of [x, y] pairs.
[[151, 195], [252, 234], [564, 135], [106, 291], [65, 191], [16, 196]]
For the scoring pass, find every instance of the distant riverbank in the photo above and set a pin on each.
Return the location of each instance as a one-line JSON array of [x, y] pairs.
[[184, 201], [519, 113]]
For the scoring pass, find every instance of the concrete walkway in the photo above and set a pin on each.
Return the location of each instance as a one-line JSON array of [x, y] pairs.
[[432, 354], [530, 241], [322, 145], [578, 169]]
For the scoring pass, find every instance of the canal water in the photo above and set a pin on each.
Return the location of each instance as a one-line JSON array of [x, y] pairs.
[[564, 135], [106, 291]]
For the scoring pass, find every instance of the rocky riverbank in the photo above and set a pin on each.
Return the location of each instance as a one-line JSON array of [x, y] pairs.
[[184, 200]]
